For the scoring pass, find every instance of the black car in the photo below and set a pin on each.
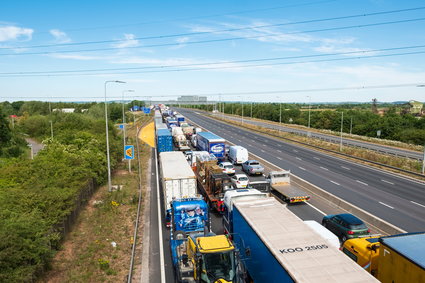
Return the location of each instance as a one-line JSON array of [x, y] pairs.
[[345, 226]]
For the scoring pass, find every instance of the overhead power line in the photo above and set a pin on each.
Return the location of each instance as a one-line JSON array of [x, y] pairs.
[[200, 17], [218, 40], [221, 67], [216, 94], [220, 31], [359, 52]]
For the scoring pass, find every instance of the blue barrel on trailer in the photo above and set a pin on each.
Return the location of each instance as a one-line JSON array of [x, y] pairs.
[[164, 140], [206, 141]]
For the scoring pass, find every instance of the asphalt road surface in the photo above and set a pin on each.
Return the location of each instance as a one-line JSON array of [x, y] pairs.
[[396, 199], [334, 139]]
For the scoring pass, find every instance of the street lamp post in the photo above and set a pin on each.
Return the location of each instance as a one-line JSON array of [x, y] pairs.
[[107, 137], [309, 110], [251, 109], [423, 162], [280, 117], [242, 109], [124, 126], [342, 121]]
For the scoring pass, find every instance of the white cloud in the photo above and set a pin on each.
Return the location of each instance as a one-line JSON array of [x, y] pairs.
[[181, 41], [129, 41], [14, 33], [75, 57], [60, 36], [178, 62], [354, 51]]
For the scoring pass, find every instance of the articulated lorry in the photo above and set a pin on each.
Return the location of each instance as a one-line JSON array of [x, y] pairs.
[[180, 139], [280, 181], [197, 254], [276, 246], [212, 182], [180, 119], [187, 130], [397, 258], [164, 140], [206, 141], [177, 179]]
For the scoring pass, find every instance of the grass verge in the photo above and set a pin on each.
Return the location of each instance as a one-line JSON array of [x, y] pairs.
[[99, 247]]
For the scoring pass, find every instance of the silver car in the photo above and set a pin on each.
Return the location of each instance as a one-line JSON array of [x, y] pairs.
[[252, 167]]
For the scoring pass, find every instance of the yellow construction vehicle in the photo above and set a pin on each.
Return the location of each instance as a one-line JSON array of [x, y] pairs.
[[205, 258]]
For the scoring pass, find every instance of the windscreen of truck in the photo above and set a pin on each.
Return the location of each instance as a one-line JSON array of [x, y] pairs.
[[218, 266]]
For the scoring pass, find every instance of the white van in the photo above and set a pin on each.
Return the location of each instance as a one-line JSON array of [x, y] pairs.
[[324, 233], [237, 154]]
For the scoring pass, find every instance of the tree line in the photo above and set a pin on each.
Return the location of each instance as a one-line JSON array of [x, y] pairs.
[[357, 119]]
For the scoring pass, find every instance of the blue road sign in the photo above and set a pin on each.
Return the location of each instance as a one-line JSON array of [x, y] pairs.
[[146, 110], [135, 108], [129, 151], [121, 126]]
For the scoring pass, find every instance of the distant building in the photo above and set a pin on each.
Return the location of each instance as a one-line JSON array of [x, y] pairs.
[[192, 98], [65, 110]]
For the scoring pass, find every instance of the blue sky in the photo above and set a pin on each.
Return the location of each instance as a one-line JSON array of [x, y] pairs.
[[66, 50]]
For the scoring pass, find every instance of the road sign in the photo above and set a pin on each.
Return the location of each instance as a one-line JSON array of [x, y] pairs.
[[146, 110], [129, 151], [135, 108], [121, 126]]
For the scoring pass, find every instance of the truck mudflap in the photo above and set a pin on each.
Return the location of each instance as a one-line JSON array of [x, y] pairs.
[[299, 199]]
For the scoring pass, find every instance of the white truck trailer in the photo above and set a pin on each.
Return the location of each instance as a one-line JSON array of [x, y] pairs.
[[177, 179]]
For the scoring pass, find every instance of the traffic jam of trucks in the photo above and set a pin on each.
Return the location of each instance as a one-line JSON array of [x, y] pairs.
[[261, 240]]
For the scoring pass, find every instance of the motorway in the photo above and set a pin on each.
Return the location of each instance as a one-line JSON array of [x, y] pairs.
[[394, 198], [302, 210], [334, 139]]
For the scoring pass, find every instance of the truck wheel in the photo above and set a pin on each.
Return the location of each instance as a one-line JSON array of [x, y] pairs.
[[180, 234]]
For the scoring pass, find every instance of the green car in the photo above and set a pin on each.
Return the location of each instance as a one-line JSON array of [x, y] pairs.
[[345, 226]]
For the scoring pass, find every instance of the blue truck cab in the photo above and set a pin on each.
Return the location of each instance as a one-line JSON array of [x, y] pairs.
[[189, 216]]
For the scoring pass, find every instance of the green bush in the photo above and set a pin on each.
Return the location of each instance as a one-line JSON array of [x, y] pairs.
[[37, 195]]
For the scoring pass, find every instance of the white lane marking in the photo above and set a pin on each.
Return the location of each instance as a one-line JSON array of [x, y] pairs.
[[302, 168], [386, 205], [294, 150], [324, 168], [231, 136], [249, 144], [239, 140], [264, 144], [417, 203], [363, 183], [262, 151], [279, 150], [279, 158], [316, 158], [161, 248], [298, 158], [315, 208], [345, 168], [388, 182], [335, 183]]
